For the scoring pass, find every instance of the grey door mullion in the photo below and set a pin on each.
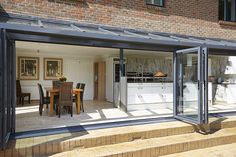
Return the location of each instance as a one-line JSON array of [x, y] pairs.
[[1, 90], [199, 86], [6, 89], [175, 84], [4, 44], [9, 85], [205, 85], [13, 82], [180, 86]]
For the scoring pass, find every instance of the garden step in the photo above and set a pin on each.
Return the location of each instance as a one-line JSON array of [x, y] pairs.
[[157, 146], [52, 144], [227, 150]]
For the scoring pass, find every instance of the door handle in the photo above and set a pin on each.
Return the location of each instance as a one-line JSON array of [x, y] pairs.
[[198, 84]]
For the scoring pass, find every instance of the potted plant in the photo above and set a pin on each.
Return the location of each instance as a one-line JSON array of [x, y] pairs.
[[62, 78]]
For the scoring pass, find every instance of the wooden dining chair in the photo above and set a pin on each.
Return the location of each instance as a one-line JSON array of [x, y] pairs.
[[21, 96], [80, 86], [65, 97], [43, 100]]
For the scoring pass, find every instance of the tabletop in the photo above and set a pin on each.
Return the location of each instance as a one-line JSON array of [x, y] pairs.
[[51, 89]]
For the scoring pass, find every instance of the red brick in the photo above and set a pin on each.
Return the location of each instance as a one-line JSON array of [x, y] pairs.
[[192, 17]]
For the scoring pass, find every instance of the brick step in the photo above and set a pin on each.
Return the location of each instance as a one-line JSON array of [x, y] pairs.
[[52, 144], [228, 150], [157, 146]]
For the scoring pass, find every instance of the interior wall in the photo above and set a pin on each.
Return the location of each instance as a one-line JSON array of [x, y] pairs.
[[75, 68]]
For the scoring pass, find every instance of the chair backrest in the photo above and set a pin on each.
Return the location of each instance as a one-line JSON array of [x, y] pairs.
[[82, 86], [65, 96], [56, 84], [78, 85], [18, 88], [41, 94]]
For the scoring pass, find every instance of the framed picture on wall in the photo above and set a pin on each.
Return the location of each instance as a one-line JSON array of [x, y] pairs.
[[28, 68], [53, 68]]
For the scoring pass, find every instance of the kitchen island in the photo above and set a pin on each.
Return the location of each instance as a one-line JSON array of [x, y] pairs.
[[146, 95], [155, 95]]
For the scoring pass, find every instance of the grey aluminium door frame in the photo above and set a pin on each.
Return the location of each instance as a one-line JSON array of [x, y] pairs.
[[202, 84], [7, 88], [205, 83]]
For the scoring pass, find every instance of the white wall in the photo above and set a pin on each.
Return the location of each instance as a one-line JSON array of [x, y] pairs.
[[75, 68]]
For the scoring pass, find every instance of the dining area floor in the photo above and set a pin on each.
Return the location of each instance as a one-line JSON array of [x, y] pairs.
[[28, 118], [95, 112]]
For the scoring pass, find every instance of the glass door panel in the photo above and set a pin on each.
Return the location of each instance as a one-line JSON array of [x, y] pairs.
[[190, 81]]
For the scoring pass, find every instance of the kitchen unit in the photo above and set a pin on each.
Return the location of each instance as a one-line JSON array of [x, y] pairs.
[[155, 95], [146, 95], [225, 92]]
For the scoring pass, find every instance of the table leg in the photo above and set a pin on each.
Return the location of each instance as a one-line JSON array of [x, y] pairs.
[[51, 104], [78, 103]]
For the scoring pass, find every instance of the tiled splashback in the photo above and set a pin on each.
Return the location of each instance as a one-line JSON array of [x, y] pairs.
[[219, 67], [136, 64]]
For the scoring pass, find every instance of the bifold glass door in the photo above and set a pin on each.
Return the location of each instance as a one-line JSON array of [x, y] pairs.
[[7, 88], [190, 83]]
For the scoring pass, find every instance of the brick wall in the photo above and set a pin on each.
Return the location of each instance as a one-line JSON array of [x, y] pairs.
[[191, 17]]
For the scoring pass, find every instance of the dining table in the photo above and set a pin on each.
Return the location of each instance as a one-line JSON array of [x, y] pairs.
[[52, 92]]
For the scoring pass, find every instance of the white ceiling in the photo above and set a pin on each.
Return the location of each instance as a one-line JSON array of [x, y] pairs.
[[34, 47]]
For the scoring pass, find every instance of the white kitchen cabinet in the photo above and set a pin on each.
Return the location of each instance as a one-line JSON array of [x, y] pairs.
[[159, 95], [191, 92], [229, 93], [220, 93], [149, 95]]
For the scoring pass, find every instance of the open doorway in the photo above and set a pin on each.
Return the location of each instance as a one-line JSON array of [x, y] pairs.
[[222, 78], [99, 69]]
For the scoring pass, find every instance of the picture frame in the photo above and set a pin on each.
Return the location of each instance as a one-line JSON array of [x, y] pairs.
[[53, 68], [28, 68]]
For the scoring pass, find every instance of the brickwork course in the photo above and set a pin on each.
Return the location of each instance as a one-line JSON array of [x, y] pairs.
[[192, 17]]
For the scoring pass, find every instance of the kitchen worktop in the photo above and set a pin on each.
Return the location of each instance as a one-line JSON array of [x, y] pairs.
[[148, 79], [225, 83]]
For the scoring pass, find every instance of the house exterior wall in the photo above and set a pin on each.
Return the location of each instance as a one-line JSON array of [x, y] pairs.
[[192, 17]]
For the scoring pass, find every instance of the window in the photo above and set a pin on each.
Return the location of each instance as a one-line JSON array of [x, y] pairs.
[[227, 10], [155, 2]]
